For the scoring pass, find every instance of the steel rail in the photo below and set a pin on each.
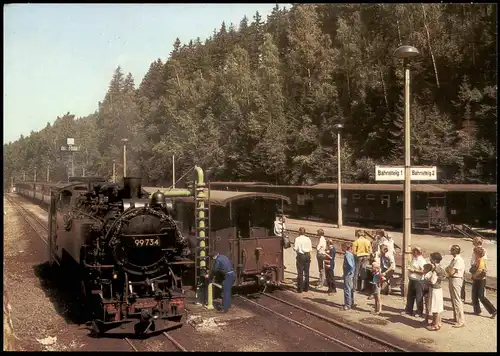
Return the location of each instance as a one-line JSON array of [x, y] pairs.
[[173, 341], [131, 344], [16, 206], [331, 338], [338, 323]]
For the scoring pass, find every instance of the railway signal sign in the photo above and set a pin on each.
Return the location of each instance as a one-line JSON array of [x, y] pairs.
[[392, 173]]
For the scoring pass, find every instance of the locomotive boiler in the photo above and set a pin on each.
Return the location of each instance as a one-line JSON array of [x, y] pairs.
[[129, 253]]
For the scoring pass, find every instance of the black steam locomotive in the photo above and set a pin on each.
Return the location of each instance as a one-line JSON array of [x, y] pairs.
[[128, 251]]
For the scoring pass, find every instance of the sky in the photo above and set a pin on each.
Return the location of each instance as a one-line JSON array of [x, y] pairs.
[[61, 57]]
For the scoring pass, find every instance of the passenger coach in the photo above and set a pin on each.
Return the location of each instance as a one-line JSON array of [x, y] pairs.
[[242, 228]]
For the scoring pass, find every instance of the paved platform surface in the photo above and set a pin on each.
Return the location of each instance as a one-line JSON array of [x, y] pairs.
[[468, 339], [429, 243]]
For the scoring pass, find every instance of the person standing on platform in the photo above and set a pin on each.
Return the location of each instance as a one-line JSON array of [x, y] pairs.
[[303, 248], [330, 268], [455, 272], [435, 278], [387, 241], [361, 249], [349, 270], [377, 284], [223, 269], [415, 283], [477, 242], [321, 256], [478, 272]]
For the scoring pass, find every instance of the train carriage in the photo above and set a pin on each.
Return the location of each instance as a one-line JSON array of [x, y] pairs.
[[241, 227], [434, 206]]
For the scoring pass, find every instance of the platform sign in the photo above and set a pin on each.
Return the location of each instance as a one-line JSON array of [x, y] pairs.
[[70, 148], [392, 173]]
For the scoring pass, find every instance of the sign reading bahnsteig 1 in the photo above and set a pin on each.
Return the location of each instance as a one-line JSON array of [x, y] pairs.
[[392, 173]]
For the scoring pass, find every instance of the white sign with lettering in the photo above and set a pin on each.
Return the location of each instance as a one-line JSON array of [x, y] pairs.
[[392, 173]]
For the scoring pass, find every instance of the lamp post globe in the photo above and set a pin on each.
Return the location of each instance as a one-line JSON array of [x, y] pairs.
[[406, 52]]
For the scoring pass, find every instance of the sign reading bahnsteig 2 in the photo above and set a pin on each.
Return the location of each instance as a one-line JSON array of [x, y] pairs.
[[392, 173]]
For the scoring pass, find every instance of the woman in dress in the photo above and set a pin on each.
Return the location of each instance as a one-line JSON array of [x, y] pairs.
[[435, 278]]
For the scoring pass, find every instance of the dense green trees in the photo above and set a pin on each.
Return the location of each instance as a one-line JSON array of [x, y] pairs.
[[259, 102]]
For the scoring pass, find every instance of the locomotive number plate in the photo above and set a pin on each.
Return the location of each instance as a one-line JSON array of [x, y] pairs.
[[145, 242]]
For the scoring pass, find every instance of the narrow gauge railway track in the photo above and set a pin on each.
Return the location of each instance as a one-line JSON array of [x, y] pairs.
[[332, 330], [141, 345], [28, 216]]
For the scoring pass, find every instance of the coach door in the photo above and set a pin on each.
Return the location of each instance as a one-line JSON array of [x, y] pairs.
[[437, 209]]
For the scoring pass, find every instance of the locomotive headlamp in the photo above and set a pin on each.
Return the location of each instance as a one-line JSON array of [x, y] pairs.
[[115, 276]]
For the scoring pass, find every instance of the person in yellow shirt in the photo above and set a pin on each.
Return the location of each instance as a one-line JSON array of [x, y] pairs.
[[478, 271], [362, 249]]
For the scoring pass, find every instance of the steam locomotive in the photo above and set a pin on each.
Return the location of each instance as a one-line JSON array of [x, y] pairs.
[[129, 253]]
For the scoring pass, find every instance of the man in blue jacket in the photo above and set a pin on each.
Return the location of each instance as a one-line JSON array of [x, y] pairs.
[[349, 268], [223, 269]]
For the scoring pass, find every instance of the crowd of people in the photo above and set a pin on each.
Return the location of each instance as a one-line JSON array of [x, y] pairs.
[[426, 280]]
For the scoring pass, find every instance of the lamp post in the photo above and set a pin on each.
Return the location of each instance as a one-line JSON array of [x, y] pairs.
[[338, 128], [406, 53], [124, 140]]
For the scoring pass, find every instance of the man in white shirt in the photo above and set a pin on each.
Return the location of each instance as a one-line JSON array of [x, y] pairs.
[[303, 248], [321, 256], [387, 241], [455, 272], [415, 293]]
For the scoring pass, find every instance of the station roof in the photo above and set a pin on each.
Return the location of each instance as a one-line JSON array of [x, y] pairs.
[[426, 188], [238, 183], [429, 188], [223, 197]]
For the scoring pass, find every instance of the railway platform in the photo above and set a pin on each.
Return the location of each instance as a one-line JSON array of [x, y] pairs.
[[390, 321], [428, 243]]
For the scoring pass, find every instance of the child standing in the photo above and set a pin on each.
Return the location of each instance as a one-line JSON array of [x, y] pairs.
[[377, 283]]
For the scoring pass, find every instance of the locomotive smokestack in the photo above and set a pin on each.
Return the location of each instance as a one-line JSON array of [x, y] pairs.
[[132, 187]]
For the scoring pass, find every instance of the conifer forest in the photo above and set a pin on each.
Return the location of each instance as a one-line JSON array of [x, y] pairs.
[[258, 101]]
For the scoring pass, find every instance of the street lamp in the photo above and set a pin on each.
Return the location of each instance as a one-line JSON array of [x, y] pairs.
[[124, 140], [338, 128], [406, 53]]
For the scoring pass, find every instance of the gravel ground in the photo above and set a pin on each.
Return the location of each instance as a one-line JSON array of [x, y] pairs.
[[325, 327]]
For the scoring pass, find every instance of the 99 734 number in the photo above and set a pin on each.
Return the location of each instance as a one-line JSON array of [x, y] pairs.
[[147, 242]]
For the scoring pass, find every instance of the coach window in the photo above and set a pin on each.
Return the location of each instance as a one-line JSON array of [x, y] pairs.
[[386, 200], [370, 197]]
